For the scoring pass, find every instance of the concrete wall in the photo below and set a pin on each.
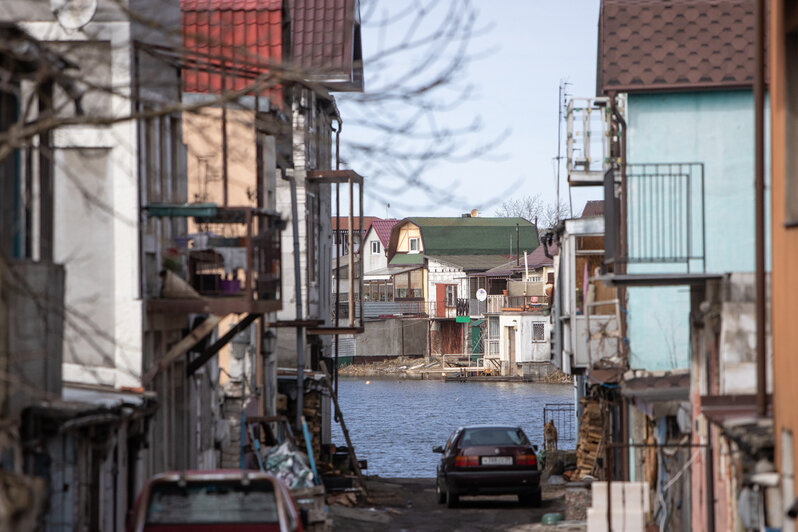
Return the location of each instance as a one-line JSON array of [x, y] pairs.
[[714, 128], [384, 338]]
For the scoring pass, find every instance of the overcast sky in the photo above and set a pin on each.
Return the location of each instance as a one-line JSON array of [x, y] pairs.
[[526, 49]]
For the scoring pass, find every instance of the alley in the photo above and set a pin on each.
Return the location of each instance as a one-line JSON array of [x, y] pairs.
[[409, 504]]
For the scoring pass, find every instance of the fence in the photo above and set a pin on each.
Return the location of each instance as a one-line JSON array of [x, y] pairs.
[[564, 417]]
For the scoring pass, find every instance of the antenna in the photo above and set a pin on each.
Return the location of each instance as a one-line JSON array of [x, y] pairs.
[[561, 99]]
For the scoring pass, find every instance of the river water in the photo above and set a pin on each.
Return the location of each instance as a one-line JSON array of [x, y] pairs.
[[395, 423]]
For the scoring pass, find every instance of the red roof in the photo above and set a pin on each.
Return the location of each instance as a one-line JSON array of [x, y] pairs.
[[325, 41], [383, 229], [229, 43]]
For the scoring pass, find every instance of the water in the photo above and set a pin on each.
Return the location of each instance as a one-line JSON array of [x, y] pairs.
[[395, 423]]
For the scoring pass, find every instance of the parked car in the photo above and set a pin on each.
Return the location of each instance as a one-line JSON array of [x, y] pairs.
[[217, 500], [488, 460]]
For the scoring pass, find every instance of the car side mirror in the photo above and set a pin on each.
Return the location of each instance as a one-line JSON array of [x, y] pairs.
[[534, 447], [437, 449]]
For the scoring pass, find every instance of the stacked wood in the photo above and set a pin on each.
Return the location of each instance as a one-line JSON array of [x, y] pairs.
[[591, 438], [311, 409]]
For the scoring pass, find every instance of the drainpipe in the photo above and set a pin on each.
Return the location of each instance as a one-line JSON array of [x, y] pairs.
[[620, 267], [338, 254], [759, 187], [300, 347]]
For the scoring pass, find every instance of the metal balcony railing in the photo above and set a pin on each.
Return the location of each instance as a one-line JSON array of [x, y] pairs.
[[664, 221]]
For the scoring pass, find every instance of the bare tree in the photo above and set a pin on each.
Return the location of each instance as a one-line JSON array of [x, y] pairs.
[[410, 117], [535, 209]]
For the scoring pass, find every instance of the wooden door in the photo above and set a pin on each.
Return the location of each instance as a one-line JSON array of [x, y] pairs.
[[440, 300]]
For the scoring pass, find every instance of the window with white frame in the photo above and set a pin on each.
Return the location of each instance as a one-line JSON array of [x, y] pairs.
[[375, 247], [493, 335], [414, 244], [451, 295], [539, 332]]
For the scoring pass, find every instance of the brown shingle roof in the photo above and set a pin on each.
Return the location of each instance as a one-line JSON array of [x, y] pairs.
[[343, 222], [593, 208], [656, 44], [325, 41]]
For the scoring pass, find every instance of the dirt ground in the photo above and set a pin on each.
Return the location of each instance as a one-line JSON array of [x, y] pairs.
[[400, 504]]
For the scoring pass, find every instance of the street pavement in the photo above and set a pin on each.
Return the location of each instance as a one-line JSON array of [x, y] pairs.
[[399, 504]]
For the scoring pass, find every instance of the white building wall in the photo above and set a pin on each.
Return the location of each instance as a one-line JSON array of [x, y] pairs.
[[116, 359], [440, 272], [372, 261], [526, 349]]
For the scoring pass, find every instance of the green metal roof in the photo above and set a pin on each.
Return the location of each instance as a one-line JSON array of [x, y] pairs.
[[401, 259], [475, 236]]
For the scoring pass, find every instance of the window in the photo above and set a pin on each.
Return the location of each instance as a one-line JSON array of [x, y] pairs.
[[539, 332], [493, 328], [375, 247], [408, 285], [378, 291], [451, 295], [414, 245]]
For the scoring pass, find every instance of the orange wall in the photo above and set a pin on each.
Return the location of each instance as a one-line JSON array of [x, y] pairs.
[[785, 249], [202, 134]]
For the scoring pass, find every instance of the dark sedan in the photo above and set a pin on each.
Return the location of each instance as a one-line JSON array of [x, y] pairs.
[[488, 460]]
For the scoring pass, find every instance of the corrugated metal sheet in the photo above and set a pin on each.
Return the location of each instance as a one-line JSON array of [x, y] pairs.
[[346, 345], [229, 43], [376, 309]]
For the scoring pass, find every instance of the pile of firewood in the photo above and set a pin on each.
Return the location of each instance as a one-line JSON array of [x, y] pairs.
[[591, 438]]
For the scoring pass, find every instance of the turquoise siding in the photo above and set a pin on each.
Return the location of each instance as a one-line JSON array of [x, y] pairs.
[[715, 128]]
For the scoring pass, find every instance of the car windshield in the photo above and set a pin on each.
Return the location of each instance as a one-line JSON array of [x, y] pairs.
[[489, 436], [212, 502]]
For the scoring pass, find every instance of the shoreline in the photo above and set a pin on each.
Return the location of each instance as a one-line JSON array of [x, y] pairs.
[[402, 368]]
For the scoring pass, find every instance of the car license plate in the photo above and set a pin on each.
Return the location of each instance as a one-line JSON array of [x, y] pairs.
[[497, 460]]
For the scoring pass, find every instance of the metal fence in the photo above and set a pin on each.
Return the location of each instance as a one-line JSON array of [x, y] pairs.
[[564, 417]]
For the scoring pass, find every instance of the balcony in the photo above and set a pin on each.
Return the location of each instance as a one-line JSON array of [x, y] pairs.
[[498, 304], [231, 266], [655, 224]]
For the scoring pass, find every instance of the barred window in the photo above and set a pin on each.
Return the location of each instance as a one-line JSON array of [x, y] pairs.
[[538, 332]]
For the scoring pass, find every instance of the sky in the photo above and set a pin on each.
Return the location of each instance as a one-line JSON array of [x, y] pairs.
[[520, 53]]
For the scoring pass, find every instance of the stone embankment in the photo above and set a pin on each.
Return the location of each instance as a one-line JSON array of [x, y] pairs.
[[405, 367]]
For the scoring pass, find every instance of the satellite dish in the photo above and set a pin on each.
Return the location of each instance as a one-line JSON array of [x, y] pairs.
[[73, 14], [482, 295]]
